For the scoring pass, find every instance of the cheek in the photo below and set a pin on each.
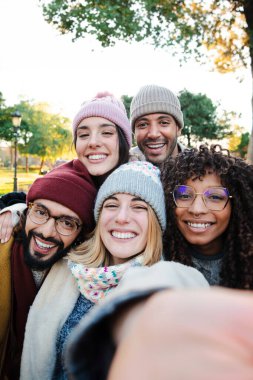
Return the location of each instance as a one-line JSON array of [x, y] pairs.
[[139, 135], [104, 219], [80, 147], [143, 222], [68, 240], [29, 225], [224, 218]]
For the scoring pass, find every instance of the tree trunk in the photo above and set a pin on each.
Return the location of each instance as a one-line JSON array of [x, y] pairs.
[[250, 147], [26, 164], [248, 11], [189, 139], [41, 164]]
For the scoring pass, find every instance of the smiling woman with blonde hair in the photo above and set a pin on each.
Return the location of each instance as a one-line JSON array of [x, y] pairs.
[[130, 215]]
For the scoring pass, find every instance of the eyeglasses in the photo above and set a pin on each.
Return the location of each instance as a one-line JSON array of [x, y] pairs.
[[64, 225], [215, 198]]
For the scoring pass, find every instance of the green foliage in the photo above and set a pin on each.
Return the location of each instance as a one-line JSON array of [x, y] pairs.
[[127, 102], [217, 31], [222, 27], [201, 119], [220, 31], [243, 146], [41, 134]]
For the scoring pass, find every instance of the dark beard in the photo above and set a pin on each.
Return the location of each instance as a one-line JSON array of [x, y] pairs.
[[35, 262]]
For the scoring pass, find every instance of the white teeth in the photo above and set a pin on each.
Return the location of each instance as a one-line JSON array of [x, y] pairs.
[[96, 156], [123, 235], [43, 245], [156, 146], [199, 225]]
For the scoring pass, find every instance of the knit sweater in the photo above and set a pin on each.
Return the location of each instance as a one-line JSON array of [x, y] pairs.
[[81, 307], [209, 266]]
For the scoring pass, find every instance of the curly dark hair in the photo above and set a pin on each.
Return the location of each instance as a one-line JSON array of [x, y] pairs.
[[237, 176]]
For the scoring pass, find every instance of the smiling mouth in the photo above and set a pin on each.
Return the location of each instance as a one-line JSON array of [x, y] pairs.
[[43, 246], [155, 146], [199, 225], [96, 157], [123, 235]]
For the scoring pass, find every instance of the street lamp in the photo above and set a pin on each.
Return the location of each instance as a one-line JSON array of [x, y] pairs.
[[16, 121]]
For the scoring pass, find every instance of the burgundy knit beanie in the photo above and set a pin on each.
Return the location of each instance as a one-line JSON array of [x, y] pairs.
[[70, 185], [107, 106]]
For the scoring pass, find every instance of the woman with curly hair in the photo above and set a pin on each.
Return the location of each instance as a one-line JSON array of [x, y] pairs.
[[210, 215]]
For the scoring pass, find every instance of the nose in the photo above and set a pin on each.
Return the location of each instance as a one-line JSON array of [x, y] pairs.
[[48, 229], [154, 131], [198, 206], [94, 140], [122, 215]]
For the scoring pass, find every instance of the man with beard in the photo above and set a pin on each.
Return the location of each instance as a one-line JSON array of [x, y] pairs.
[[157, 121], [59, 214]]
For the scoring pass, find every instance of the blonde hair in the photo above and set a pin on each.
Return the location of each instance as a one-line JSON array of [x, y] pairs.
[[93, 253]]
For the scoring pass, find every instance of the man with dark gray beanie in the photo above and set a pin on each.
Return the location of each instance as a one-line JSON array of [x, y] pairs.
[[59, 214], [157, 121]]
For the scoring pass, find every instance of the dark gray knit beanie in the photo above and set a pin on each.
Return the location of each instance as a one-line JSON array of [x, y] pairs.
[[155, 99]]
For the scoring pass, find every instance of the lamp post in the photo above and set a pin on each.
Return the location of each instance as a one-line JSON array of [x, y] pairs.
[[16, 121]]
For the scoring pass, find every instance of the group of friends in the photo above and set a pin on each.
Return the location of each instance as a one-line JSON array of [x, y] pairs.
[[119, 263]]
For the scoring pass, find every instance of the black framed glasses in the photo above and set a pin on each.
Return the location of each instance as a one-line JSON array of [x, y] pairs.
[[215, 198], [64, 225]]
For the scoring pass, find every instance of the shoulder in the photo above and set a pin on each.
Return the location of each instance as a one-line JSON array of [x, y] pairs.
[[135, 154]]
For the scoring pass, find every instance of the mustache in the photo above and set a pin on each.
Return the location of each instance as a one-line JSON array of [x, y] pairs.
[[158, 140], [49, 239]]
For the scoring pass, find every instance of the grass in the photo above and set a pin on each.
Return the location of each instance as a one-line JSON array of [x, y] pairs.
[[24, 180]]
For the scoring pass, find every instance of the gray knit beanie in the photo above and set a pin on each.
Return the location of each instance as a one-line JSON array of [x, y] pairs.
[[140, 178], [155, 99]]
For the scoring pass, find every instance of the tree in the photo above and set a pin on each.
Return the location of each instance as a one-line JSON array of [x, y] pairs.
[[201, 118], [242, 146], [217, 30], [50, 134], [235, 139], [239, 141], [41, 133], [127, 102], [6, 129]]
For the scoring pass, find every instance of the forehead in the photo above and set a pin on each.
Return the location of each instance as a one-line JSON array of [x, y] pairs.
[[155, 117], [209, 179], [95, 122], [55, 208]]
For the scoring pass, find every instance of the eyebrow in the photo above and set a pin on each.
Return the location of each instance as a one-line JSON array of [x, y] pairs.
[[58, 216], [165, 116], [133, 199], [138, 199]]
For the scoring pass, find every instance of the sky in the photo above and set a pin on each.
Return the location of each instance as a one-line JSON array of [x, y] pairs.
[[39, 64]]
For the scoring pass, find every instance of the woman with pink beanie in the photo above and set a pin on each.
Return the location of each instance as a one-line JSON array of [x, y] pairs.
[[102, 135]]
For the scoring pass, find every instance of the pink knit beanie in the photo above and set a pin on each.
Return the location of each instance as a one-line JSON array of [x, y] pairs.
[[105, 105]]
